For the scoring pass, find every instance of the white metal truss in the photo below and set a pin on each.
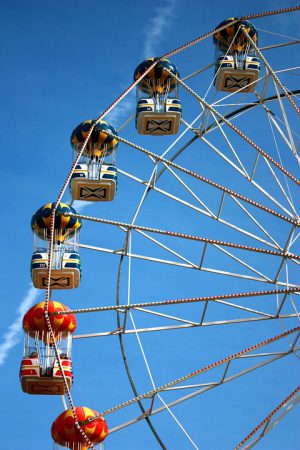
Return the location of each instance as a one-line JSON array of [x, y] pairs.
[[257, 226]]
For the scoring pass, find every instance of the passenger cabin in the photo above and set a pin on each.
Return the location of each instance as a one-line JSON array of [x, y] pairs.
[[45, 379], [47, 355], [65, 273], [158, 118], [94, 182], [233, 74]]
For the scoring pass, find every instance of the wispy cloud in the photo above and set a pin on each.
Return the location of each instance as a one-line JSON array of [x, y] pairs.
[[122, 110], [12, 336], [157, 25], [79, 205]]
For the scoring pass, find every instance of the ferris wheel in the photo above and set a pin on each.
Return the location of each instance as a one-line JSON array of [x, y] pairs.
[[199, 216]]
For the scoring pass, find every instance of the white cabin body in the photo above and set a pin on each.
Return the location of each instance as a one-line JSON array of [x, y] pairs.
[[233, 74], [158, 118], [94, 182], [65, 273]]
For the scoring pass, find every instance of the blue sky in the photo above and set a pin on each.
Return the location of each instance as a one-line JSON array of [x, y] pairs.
[[64, 62]]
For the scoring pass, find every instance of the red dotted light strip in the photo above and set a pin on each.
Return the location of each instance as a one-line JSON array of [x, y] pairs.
[[150, 394], [268, 418], [236, 129]]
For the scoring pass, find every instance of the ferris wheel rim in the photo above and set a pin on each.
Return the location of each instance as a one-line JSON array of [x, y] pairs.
[[229, 116], [48, 292]]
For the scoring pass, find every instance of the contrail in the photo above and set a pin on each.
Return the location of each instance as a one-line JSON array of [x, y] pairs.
[[157, 25], [122, 110], [12, 336]]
